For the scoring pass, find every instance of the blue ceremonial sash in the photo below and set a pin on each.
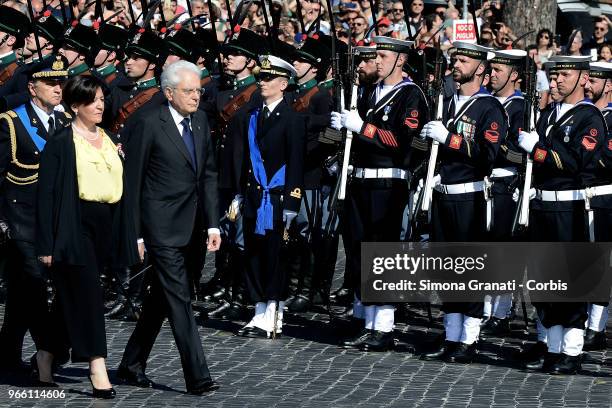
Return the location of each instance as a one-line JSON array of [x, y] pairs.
[[265, 211], [32, 131]]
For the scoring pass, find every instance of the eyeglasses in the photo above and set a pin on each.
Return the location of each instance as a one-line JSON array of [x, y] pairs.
[[545, 36], [398, 10], [358, 24], [190, 91], [600, 29]]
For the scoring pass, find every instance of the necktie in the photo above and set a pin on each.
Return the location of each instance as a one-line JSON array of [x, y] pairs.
[[266, 112], [51, 130], [189, 141]]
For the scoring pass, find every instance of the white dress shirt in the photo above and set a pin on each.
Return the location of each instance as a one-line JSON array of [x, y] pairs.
[[273, 105], [43, 116]]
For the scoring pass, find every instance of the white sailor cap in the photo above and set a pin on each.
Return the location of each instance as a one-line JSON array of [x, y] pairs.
[[384, 43], [275, 66], [601, 69], [578, 62], [476, 51], [509, 57]]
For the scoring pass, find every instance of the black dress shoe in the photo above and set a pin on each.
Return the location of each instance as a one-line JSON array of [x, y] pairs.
[[569, 365], [107, 393], [301, 304], [533, 357], [136, 379], [463, 353], [216, 295], [348, 313], [496, 327], [378, 341], [342, 296], [484, 322], [289, 301], [208, 386], [235, 312], [549, 361], [218, 312], [594, 340], [356, 341], [117, 309], [441, 352], [255, 332]]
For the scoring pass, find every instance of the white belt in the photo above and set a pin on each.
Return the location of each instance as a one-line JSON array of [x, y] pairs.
[[598, 191], [381, 173], [503, 172], [460, 188], [563, 195]]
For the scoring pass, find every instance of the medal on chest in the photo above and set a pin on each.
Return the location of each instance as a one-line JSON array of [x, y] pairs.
[[467, 128], [567, 130], [386, 113]]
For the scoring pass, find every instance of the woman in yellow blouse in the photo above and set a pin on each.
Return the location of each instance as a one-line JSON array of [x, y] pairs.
[[84, 224]]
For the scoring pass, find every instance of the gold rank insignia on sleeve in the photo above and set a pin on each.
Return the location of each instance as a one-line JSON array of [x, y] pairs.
[[296, 193]]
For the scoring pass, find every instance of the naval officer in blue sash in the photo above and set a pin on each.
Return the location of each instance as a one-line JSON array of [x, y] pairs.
[[272, 185], [24, 131]]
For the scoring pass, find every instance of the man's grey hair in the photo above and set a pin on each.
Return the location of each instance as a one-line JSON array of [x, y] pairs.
[[171, 76]]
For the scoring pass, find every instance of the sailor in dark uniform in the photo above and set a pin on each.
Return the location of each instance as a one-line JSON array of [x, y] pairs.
[[386, 148], [470, 136], [506, 71], [565, 149], [240, 55], [272, 187], [311, 62], [23, 134], [599, 90], [14, 28]]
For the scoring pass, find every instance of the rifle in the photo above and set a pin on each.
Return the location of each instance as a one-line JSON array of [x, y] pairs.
[[374, 10], [423, 200], [521, 216], [299, 15]]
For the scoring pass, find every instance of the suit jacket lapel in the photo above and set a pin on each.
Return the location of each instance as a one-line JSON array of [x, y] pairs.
[[196, 126], [170, 129]]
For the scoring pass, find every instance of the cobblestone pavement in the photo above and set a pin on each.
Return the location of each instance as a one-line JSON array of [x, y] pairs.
[[306, 368]]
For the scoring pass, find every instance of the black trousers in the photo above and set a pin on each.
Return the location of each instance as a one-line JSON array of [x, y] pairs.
[[27, 308], [459, 218], [170, 296], [559, 222], [374, 212], [79, 290], [266, 278], [504, 209]]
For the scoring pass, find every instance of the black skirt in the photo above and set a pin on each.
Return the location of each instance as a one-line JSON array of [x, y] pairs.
[[78, 287]]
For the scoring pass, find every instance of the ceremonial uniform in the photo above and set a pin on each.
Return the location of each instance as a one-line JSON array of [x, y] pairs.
[[272, 185], [385, 150], [14, 23], [23, 134], [564, 157], [474, 128]]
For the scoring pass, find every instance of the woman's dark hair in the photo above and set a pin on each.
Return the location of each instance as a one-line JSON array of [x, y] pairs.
[[81, 90], [550, 36]]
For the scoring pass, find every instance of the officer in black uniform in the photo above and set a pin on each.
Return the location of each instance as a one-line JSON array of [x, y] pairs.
[[506, 71], [113, 40], [272, 187], [311, 62], [23, 134], [50, 34], [14, 28], [240, 55], [564, 149], [470, 136], [599, 90], [386, 148], [80, 47], [206, 51]]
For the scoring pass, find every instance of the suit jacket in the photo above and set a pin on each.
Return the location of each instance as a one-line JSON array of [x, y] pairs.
[[59, 230], [168, 192], [281, 140], [20, 157]]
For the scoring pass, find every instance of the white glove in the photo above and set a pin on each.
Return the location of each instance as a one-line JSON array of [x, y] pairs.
[[288, 217], [436, 180], [351, 120], [532, 193], [336, 120], [436, 130], [515, 195], [527, 140], [233, 212]]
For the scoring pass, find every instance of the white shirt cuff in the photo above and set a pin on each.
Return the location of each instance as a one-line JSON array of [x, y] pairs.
[[214, 231], [140, 241]]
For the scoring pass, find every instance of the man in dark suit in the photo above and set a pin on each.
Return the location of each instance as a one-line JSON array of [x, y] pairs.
[[23, 134], [171, 165]]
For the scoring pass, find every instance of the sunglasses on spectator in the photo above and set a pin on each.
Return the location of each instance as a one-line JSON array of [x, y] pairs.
[[545, 36], [398, 10], [600, 28]]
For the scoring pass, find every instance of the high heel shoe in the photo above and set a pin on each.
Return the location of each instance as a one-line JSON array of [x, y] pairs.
[[108, 393]]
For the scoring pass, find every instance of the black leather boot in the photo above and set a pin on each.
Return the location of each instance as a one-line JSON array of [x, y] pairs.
[[568, 365], [594, 340], [378, 341], [533, 357], [463, 353]]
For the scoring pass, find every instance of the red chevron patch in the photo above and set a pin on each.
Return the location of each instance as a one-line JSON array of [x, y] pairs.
[[412, 123], [589, 142], [492, 135]]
